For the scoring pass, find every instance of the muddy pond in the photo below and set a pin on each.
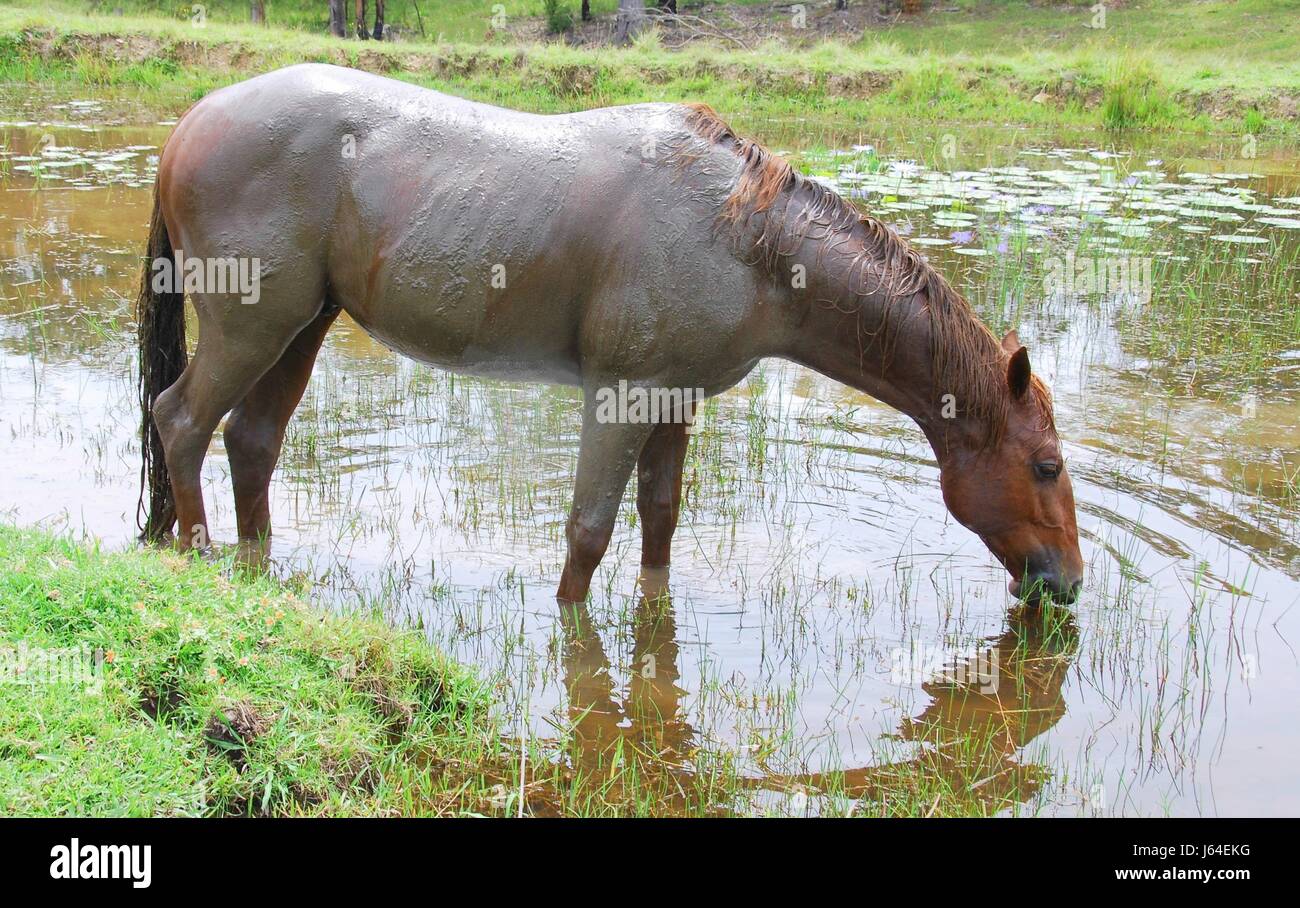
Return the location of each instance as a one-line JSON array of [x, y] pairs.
[[828, 640]]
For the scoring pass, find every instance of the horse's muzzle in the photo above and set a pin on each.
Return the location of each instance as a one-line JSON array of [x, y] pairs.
[[1046, 577], [1035, 586]]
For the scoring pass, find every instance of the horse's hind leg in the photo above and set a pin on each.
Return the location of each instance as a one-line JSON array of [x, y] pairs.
[[255, 430], [659, 490], [187, 413], [237, 345]]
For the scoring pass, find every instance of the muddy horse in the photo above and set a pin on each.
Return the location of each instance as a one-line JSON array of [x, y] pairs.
[[646, 244]]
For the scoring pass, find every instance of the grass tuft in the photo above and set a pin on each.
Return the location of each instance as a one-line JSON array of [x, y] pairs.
[[1134, 95], [181, 690]]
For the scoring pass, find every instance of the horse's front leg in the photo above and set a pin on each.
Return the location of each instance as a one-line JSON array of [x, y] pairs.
[[606, 455]]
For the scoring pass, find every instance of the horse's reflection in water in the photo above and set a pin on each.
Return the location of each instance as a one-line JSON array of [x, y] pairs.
[[636, 745], [983, 711], [633, 748], [619, 738]]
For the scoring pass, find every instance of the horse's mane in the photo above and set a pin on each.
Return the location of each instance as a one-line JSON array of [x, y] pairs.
[[967, 359]]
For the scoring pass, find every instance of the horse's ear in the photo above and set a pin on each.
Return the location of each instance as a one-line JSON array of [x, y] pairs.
[[1018, 372], [1011, 341]]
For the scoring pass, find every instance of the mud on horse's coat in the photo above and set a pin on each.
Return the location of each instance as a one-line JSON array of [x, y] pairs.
[[645, 244]]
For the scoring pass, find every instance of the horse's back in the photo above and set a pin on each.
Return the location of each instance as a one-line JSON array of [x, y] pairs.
[[470, 236]]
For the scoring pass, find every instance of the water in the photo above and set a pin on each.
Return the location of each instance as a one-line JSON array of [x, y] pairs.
[[825, 616]]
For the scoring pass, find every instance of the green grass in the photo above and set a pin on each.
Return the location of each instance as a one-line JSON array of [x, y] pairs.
[[216, 696], [1264, 32], [1188, 39], [1156, 65], [1134, 95]]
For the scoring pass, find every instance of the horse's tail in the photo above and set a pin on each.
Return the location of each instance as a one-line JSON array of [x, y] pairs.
[[160, 321]]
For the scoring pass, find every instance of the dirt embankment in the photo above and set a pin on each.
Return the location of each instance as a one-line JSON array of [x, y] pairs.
[[572, 79], [566, 78]]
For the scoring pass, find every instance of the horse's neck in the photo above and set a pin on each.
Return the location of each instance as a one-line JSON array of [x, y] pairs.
[[878, 343], [898, 374]]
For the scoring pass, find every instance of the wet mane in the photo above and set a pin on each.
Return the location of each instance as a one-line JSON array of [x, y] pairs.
[[966, 358]]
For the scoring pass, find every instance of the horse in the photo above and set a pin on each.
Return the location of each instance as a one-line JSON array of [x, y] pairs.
[[646, 247]]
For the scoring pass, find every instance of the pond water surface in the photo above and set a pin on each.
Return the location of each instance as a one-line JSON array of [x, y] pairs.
[[827, 627]]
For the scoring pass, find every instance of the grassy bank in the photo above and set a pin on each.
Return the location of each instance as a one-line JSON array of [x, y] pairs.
[[148, 684], [950, 67]]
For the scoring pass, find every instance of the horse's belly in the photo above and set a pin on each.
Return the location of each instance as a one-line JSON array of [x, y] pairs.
[[447, 344], [488, 364]]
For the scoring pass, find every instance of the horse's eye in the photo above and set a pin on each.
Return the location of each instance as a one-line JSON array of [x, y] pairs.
[[1047, 469]]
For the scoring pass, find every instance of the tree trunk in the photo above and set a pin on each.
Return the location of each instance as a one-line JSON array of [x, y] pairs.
[[257, 12], [586, 10], [631, 16], [361, 21], [338, 19]]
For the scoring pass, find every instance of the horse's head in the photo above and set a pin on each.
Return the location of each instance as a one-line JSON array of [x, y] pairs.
[[1015, 493]]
